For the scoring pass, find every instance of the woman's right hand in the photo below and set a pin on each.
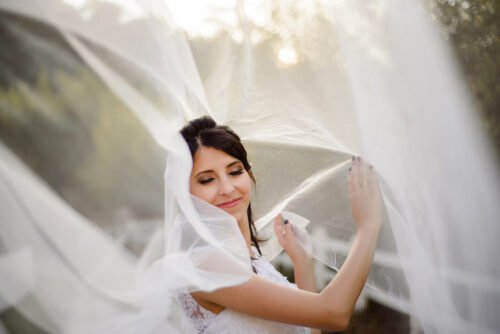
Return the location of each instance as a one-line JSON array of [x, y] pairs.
[[364, 195]]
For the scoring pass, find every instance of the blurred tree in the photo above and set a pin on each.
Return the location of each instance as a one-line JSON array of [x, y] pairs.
[[71, 129], [123, 168], [473, 27]]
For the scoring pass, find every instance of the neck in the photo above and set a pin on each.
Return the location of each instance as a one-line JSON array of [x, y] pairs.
[[245, 230]]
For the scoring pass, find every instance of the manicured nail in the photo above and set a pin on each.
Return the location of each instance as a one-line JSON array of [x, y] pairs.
[[359, 159], [353, 157], [286, 221], [371, 167], [350, 168]]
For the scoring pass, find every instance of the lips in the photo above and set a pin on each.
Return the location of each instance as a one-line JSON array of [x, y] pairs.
[[229, 204]]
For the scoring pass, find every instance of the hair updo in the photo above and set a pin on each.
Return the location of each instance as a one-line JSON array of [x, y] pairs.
[[204, 131]]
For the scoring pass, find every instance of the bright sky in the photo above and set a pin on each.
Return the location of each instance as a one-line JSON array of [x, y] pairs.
[[201, 18], [206, 18]]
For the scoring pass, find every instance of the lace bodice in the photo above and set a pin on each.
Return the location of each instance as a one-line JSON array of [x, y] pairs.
[[230, 321]]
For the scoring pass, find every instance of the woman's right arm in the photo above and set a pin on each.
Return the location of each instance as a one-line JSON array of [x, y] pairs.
[[330, 309], [366, 206]]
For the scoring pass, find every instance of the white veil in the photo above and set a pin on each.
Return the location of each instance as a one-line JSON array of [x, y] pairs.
[[306, 85]]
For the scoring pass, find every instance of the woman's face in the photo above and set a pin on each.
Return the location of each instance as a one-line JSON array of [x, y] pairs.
[[221, 180]]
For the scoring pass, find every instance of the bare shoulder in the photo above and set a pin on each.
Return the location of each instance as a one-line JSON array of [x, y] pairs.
[[266, 299]]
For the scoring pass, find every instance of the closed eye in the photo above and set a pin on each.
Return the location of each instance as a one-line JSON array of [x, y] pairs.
[[210, 179], [205, 181], [237, 172]]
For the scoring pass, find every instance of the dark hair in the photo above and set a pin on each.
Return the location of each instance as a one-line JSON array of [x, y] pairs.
[[204, 131]]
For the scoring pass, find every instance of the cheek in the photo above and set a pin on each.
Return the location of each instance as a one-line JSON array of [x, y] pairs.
[[205, 192], [245, 186]]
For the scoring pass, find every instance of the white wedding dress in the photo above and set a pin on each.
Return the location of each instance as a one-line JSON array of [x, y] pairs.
[[230, 321], [78, 254]]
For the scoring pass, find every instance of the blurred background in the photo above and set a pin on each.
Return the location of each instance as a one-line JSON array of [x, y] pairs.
[[68, 127]]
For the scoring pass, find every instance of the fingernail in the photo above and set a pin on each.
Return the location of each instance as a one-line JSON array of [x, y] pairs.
[[371, 167], [286, 221], [350, 168], [359, 159], [353, 157]]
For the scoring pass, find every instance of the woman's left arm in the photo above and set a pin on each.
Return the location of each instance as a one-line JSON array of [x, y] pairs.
[[303, 270], [303, 264], [302, 260]]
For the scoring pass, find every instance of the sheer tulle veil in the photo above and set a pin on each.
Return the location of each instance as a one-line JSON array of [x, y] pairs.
[[341, 78]]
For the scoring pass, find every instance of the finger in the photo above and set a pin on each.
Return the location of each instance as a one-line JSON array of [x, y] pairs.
[[277, 222], [349, 181], [355, 174], [287, 229], [277, 225], [373, 176], [362, 172], [278, 229]]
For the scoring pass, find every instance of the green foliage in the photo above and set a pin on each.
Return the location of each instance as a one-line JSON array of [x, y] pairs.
[[84, 142], [71, 129], [124, 165], [473, 27]]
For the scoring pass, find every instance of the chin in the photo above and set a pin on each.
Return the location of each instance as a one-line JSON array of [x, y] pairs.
[[238, 215]]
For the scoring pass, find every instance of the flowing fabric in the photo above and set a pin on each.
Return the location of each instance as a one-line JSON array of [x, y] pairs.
[[93, 97]]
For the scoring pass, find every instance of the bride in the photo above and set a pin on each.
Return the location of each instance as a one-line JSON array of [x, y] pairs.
[[267, 303]]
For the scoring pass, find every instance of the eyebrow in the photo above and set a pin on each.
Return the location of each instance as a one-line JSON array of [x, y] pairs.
[[211, 170]]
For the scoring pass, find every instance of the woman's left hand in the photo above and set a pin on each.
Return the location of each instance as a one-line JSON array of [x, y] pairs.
[[287, 237]]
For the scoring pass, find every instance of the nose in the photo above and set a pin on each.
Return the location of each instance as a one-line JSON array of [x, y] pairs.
[[226, 187]]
